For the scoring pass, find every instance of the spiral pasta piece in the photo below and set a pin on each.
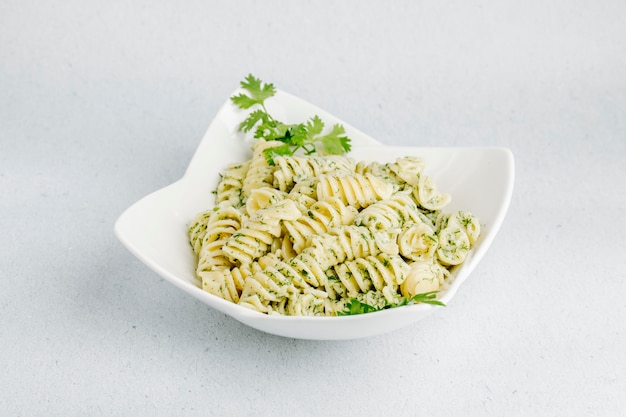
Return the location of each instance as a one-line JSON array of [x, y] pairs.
[[258, 232], [354, 189], [381, 272], [458, 232], [230, 184], [308, 268], [275, 281], [309, 302], [222, 224], [220, 283], [423, 277], [428, 196], [393, 212], [260, 291], [260, 173], [293, 169], [418, 242], [240, 273], [408, 169], [197, 229], [470, 224], [453, 245], [345, 243], [378, 170], [318, 219], [282, 247], [263, 288], [214, 268], [263, 197], [305, 192], [229, 283]]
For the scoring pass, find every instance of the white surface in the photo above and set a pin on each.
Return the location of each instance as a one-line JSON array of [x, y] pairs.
[[480, 181], [94, 93]]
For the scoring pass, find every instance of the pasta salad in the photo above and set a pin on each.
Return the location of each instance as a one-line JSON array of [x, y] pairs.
[[313, 232]]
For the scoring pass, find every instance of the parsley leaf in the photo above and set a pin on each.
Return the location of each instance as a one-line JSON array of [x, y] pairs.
[[307, 137], [252, 119], [258, 92], [355, 306], [336, 142], [270, 153]]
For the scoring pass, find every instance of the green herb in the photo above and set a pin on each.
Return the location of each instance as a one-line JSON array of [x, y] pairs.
[[424, 298], [354, 306], [308, 136]]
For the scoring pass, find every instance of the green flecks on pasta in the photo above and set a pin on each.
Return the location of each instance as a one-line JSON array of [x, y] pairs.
[[310, 233]]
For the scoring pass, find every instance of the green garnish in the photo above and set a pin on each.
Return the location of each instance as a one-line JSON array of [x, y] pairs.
[[424, 298], [308, 136], [355, 306]]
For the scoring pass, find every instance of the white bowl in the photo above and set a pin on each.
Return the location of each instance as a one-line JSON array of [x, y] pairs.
[[154, 229]]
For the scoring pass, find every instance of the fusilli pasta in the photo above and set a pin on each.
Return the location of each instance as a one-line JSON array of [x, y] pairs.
[[307, 234]]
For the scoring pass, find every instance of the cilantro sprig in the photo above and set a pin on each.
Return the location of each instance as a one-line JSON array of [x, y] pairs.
[[308, 137], [355, 306]]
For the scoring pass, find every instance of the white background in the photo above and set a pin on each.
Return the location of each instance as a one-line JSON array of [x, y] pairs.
[[103, 102]]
